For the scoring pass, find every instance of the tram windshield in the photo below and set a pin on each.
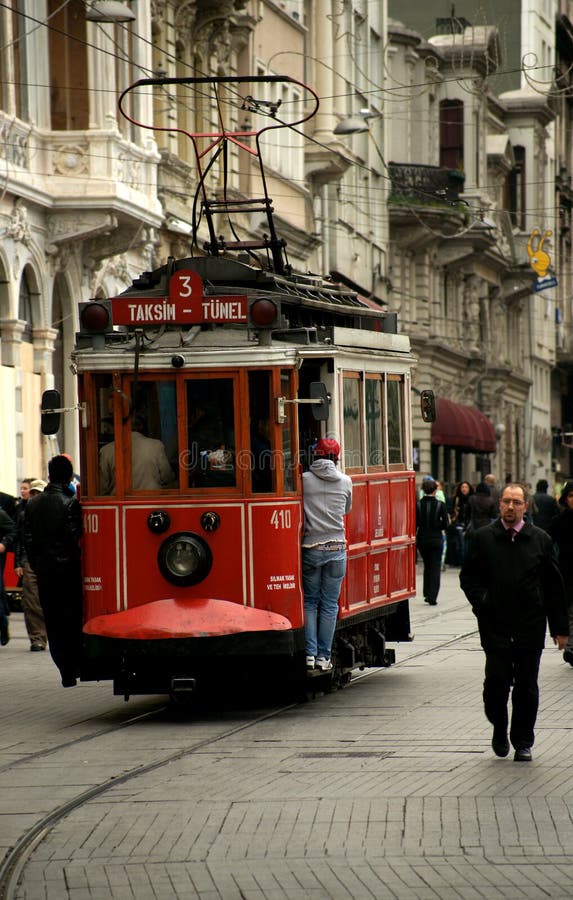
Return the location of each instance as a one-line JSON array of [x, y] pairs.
[[188, 432], [211, 433]]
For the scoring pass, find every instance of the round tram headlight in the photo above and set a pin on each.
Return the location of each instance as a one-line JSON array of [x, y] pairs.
[[263, 312], [184, 559], [95, 316]]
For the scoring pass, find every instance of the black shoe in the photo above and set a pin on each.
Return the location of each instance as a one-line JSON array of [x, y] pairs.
[[36, 648], [4, 633], [432, 602], [499, 742], [568, 656], [523, 754]]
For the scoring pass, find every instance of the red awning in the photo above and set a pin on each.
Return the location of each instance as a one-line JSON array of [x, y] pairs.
[[462, 426]]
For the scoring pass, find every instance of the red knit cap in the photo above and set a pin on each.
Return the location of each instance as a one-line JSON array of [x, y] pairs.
[[327, 447]]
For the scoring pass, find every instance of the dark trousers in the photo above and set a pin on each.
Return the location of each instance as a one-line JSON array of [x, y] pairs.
[[431, 553], [505, 668], [61, 600]]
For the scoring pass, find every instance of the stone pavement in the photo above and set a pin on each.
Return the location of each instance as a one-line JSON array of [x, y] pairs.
[[387, 789]]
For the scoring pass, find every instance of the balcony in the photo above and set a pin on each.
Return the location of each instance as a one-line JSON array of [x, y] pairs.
[[419, 185]]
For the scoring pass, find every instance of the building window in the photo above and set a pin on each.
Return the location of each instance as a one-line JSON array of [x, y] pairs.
[[452, 134], [25, 308], [517, 205], [69, 104]]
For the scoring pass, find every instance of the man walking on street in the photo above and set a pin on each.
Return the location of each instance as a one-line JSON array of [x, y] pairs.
[[52, 531], [31, 606], [512, 581]]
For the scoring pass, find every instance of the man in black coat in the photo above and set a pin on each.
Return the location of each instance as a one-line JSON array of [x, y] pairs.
[[513, 583], [544, 507], [52, 531]]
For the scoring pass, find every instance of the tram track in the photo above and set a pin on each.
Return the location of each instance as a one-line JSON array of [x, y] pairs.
[[17, 857]]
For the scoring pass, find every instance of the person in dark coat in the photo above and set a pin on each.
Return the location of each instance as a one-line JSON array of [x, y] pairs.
[[52, 532], [511, 578], [544, 507], [462, 515], [431, 524], [7, 536], [482, 508], [561, 530], [31, 606], [8, 504]]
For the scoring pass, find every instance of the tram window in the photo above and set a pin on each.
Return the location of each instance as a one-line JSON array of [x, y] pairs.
[[289, 462], [154, 445], [353, 454], [262, 460], [105, 427], [395, 406], [211, 424], [375, 420]]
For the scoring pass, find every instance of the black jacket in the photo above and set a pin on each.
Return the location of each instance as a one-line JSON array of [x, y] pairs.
[[482, 510], [52, 530], [543, 510], [514, 587], [561, 530], [431, 519], [7, 533]]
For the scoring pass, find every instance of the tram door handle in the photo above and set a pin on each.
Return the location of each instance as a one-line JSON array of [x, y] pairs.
[[320, 408], [319, 400]]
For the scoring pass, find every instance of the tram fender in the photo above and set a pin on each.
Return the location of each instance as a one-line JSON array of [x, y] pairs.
[[173, 618]]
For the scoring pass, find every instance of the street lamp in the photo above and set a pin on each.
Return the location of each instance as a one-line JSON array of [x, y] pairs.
[[359, 125], [108, 11], [352, 125]]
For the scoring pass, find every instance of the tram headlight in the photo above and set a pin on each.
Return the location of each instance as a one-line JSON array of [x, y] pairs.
[[184, 559], [95, 317], [264, 312]]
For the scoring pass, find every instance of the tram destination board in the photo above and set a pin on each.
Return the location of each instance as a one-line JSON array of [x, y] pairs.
[[186, 304]]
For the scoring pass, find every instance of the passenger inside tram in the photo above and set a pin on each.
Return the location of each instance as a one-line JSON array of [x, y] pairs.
[[150, 469], [211, 457]]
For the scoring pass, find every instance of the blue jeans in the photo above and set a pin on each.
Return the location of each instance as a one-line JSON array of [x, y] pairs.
[[322, 574]]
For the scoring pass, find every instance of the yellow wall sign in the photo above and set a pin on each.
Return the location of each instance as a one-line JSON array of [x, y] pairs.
[[539, 259]]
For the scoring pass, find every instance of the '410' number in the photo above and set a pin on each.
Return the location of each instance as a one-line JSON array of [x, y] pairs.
[[281, 518]]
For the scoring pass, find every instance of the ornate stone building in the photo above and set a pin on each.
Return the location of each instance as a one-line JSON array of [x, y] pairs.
[[418, 184], [472, 176]]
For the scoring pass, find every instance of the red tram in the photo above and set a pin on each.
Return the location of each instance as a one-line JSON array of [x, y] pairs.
[[227, 366]]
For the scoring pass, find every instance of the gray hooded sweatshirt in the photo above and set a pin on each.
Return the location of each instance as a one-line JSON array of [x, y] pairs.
[[327, 497]]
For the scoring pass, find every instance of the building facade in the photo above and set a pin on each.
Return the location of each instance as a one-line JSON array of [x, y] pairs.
[[433, 160]]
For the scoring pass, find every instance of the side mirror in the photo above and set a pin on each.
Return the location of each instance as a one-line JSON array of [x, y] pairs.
[[428, 406], [318, 392], [50, 417]]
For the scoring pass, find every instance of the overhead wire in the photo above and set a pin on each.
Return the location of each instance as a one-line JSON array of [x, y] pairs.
[[121, 55]]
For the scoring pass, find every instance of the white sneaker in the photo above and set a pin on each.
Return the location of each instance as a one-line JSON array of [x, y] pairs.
[[324, 664], [310, 662]]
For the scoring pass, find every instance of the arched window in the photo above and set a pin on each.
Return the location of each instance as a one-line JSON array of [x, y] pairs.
[[452, 134], [25, 312]]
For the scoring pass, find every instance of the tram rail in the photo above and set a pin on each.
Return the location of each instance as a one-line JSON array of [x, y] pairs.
[[16, 859]]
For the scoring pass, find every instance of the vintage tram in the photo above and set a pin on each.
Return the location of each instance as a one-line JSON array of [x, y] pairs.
[[228, 366]]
